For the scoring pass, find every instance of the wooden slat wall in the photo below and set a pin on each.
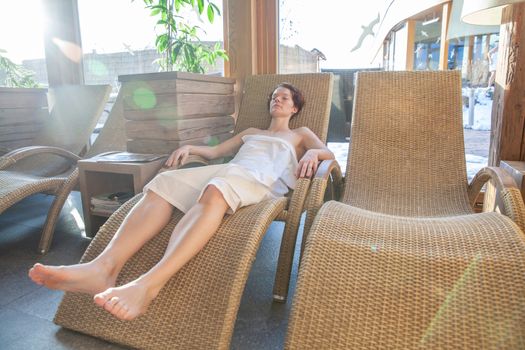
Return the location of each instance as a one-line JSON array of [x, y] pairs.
[[22, 114]]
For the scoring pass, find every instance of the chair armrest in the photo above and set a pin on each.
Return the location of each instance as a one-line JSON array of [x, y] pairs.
[[297, 200], [327, 170], [328, 173], [510, 196], [195, 161], [14, 156], [192, 162], [330, 170]]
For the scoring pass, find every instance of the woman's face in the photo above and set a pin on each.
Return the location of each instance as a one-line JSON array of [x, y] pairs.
[[281, 104]]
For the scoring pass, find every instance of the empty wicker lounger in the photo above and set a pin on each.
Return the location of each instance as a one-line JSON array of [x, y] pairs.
[[50, 166], [198, 307], [403, 262]]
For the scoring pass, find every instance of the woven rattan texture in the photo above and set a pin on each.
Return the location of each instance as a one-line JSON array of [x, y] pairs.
[[407, 153], [432, 276], [198, 306], [316, 88], [15, 186], [370, 281]]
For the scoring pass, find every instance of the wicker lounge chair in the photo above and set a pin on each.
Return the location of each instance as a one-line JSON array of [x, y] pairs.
[[403, 262], [197, 309], [49, 167]]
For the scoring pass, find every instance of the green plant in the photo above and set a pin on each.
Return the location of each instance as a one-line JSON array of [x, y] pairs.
[[179, 42], [16, 75]]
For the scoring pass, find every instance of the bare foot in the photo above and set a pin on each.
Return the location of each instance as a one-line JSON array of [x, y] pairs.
[[126, 302], [88, 278]]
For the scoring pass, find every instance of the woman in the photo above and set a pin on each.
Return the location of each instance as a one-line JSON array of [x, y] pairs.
[[257, 172]]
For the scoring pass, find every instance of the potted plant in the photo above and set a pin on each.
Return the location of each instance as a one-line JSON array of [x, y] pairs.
[[15, 75], [23, 105], [177, 41], [171, 108]]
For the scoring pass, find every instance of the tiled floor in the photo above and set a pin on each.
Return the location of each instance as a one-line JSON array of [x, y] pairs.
[[27, 310]]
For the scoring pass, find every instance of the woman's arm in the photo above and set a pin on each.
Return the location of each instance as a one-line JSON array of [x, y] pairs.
[[316, 151], [226, 148]]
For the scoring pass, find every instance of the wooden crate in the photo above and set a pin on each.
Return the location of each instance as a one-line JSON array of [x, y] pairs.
[[169, 109], [167, 146], [176, 130]]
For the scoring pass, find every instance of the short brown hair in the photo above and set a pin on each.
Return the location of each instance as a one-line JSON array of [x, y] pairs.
[[297, 96]]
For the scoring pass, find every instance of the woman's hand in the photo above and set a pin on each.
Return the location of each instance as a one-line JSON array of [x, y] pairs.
[[179, 156], [308, 164]]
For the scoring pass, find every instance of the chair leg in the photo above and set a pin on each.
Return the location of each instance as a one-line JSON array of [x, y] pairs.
[[54, 212], [285, 263], [286, 253]]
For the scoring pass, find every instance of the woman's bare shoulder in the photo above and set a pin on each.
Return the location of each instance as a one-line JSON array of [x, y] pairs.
[[251, 131], [304, 131]]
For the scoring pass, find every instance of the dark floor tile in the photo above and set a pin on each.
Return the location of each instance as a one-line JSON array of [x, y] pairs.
[[14, 285], [26, 308], [41, 303], [21, 331]]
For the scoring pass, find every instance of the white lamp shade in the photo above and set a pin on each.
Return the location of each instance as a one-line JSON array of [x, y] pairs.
[[486, 12]]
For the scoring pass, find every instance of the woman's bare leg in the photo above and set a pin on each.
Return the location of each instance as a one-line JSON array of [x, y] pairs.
[[190, 235], [144, 221]]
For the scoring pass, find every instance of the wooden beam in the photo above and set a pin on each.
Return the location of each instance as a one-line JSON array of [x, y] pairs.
[[508, 109], [411, 37], [240, 38], [443, 52], [63, 48], [267, 40]]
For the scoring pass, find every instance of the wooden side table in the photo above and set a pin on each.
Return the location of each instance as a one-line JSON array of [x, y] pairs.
[[517, 170], [104, 177]]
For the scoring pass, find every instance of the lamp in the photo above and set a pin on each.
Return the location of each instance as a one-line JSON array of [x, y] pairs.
[[484, 11]]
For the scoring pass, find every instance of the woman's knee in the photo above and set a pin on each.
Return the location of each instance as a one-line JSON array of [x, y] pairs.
[[150, 198], [212, 195]]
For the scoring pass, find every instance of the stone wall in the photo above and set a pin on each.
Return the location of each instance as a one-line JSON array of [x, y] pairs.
[[104, 68], [296, 60]]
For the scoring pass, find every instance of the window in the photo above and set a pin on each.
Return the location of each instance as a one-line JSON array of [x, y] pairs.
[[118, 37], [21, 25], [315, 36]]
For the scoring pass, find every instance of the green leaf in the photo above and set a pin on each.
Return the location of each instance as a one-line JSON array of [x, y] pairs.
[[223, 55], [211, 14], [176, 51], [162, 42], [217, 10], [200, 4], [160, 7], [155, 12]]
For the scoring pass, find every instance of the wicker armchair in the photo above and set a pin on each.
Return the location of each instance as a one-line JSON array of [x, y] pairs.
[[50, 167], [402, 262], [198, 307]]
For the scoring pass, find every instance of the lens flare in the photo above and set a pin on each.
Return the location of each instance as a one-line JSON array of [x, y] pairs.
[[144, 98]]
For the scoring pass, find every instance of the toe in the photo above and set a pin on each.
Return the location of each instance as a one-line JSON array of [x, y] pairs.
[[110, 304], [122, 312], [101, 298]]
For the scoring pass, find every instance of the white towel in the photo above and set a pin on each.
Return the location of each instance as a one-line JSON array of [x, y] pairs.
[[263, 168]]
